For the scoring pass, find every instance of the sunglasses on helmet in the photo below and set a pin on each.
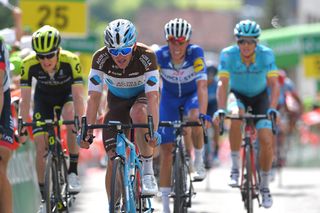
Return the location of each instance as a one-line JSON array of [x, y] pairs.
[[246, 41], [48, 56], [123, 51], [180, 40]]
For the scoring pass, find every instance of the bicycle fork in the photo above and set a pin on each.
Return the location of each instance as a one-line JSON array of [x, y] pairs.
[[253, 178]]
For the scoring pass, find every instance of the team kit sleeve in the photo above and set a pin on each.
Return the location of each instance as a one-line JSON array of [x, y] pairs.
[[151, 75], [26, 77], [96, 76], [223, 69], [272, 69], [76, 70], [199, 65]]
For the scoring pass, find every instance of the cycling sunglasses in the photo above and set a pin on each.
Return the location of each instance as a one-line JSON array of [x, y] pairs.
[[123, 51], [180, 40], [48, 56], [247, 41]]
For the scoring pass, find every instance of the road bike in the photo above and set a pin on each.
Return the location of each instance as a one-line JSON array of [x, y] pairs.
[[126, 178], [181, 180], [56, 194], [249, 177]]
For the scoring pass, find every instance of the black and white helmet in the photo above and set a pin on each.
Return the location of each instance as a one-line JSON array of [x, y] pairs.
[[120, 33], [178, 28]]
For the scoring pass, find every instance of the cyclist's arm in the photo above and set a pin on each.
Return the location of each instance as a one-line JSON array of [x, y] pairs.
[[202, 90], [24, 106], [153, 105], [2, 74], [92, 106], [152, 94], [275, 91], [77, 85], [222, 92], [77, 94], [95, 88]]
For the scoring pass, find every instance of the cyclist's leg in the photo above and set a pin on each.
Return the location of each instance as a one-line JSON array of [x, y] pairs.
[[138, 114], [6, 147], [168, 112], [73, 178], [165, 174], [118, 110], [5, 187], [265, 138], [214, 140], [192, 109], [42, 110], [235, 106]]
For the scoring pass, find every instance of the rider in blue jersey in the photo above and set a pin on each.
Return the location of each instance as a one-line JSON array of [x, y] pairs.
[[248, 68], [184, 83]]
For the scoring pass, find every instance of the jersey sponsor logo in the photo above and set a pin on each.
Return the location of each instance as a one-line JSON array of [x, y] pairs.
[[7, 138], [125, 82], [54, 82], [152, 81], [102, 59], [133, 74], [96, 80], [115, 73], [198, 65], [145, 60], [178, 77], [78, 68], [22, 71]]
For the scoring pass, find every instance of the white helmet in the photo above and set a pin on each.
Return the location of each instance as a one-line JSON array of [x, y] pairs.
[[178, 28], [120, 33]]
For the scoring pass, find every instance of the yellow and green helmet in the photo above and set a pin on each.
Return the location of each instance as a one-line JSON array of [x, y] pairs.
[[46, 39]]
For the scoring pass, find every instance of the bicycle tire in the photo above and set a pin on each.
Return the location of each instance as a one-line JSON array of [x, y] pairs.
[[63, 184], [179, 204], [50, 185], [143, 204], [117, 193], [248, 181]]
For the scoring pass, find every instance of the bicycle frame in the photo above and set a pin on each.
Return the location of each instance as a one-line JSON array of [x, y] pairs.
[[55, 162], [182, 196], [249, 185], [127, 152]]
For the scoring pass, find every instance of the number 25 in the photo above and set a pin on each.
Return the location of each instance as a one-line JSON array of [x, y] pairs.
[[59, 13]]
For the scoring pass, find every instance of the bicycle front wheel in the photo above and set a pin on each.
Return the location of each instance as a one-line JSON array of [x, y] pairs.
[[248, 181], [50, 185], [117, 194], [180, 185], [63, 184]]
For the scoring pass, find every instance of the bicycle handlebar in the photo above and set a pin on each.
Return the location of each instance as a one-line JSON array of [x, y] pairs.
[[119, 125], [247, 116], [48, 122], [178, 124]]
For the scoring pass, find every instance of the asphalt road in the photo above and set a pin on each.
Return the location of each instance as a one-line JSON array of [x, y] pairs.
[[298, 192]]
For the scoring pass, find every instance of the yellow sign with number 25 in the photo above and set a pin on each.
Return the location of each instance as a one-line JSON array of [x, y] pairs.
[[68, 16]]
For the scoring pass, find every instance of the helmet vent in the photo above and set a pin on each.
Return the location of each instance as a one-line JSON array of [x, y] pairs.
[[118, 38]]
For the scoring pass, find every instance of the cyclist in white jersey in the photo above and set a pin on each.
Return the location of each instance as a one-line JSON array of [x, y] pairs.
[[129, 70]]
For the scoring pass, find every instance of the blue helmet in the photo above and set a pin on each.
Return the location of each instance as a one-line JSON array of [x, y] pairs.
[[120, 33], [247, 28]]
